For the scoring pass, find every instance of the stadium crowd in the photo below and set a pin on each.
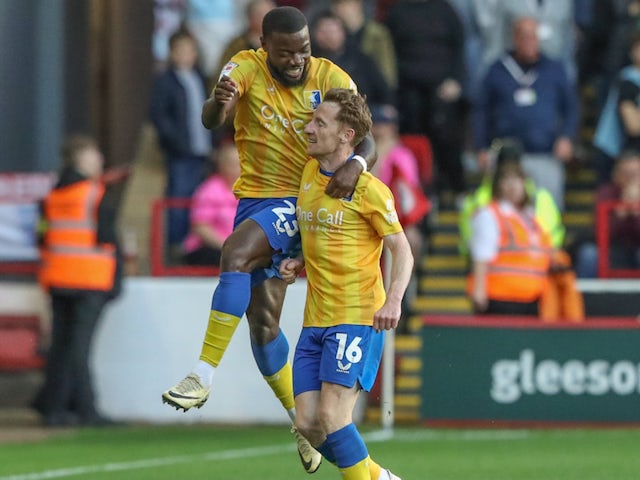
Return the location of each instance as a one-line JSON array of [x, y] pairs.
[[462, 75]]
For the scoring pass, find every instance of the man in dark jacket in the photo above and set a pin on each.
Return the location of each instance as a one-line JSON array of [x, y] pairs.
[[176, 104], [527, 96], [429, 39], [329, 40]]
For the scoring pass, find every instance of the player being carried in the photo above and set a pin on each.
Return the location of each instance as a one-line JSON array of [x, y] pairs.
[[274, 91]]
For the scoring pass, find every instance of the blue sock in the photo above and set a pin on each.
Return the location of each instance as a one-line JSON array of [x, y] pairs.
[[271, 357], [232, 294], [327, 452], [347, 446]]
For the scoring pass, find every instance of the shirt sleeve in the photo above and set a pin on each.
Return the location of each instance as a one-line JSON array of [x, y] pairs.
[[241, 68], [338, 78], [484, 236], [378, 205]]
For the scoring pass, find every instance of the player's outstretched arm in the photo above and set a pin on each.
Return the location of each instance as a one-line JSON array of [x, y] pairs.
[[222, 100], [401, 270], [344, 180]]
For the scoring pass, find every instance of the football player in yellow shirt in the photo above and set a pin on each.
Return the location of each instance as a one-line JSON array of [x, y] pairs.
[[274, 92], [346, 310]]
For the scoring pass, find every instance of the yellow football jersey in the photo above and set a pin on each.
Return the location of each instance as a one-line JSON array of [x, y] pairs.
[[270, 120], [342, 244]]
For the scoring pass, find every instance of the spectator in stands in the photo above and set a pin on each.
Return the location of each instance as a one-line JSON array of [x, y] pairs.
[[176, 103], [556, 28], [510, 251], [213, 23], [315, 6], [429, 41], [251, 38], [545, 208], [473, 46], [624, 220], [328, 39], [616, 23], [80, 272], [618, 127], [299, 4], [526, 96], [167, 16], [213, 210], [592, 35], [369, 36]]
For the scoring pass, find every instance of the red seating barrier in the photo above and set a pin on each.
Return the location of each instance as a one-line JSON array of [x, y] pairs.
[[19, 268], [157, 239], [19, 343]]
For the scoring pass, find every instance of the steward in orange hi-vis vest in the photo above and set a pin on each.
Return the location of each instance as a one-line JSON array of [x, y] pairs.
[[72, 258], [80, 272], [519, 272]]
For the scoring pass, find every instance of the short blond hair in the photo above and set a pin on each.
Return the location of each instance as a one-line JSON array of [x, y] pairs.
[[354, 111]]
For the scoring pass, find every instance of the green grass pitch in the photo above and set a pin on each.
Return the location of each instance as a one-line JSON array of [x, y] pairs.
[[268, 453]]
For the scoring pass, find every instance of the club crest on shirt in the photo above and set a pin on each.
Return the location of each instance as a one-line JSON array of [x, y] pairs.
[[312, 98]]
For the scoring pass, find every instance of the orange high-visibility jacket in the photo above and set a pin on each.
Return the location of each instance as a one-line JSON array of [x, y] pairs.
[[561, 300], [519, 272], [71, 256]]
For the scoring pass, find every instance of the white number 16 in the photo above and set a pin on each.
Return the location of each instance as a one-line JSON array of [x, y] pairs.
[[353, 352]]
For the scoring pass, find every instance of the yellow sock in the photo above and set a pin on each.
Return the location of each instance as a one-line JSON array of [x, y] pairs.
[[281, 383], [374, 469], [359, 471], [216, 340]]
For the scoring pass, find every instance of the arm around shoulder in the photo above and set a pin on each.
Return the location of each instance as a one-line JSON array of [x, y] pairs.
[[345, 179]]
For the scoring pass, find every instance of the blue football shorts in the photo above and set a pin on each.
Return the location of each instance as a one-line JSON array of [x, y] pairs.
[[277, 218], [344, 355]]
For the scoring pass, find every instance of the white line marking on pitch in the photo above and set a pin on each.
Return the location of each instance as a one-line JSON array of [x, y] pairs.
[[372, 437], [153, 462]]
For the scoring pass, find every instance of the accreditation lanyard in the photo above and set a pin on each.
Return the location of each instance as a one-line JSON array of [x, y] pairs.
[[524, 95]]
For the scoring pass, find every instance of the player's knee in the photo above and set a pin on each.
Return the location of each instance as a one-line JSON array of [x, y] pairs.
[[235, 258], [309, 428], [331, 419], [325, 418], [243, 258]]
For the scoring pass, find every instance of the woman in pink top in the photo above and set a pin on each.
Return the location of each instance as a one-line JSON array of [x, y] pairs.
[[213, 210], [391, 152], [396, 164]]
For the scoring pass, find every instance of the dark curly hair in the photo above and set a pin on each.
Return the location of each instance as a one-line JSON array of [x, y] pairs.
[[283, 20]]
